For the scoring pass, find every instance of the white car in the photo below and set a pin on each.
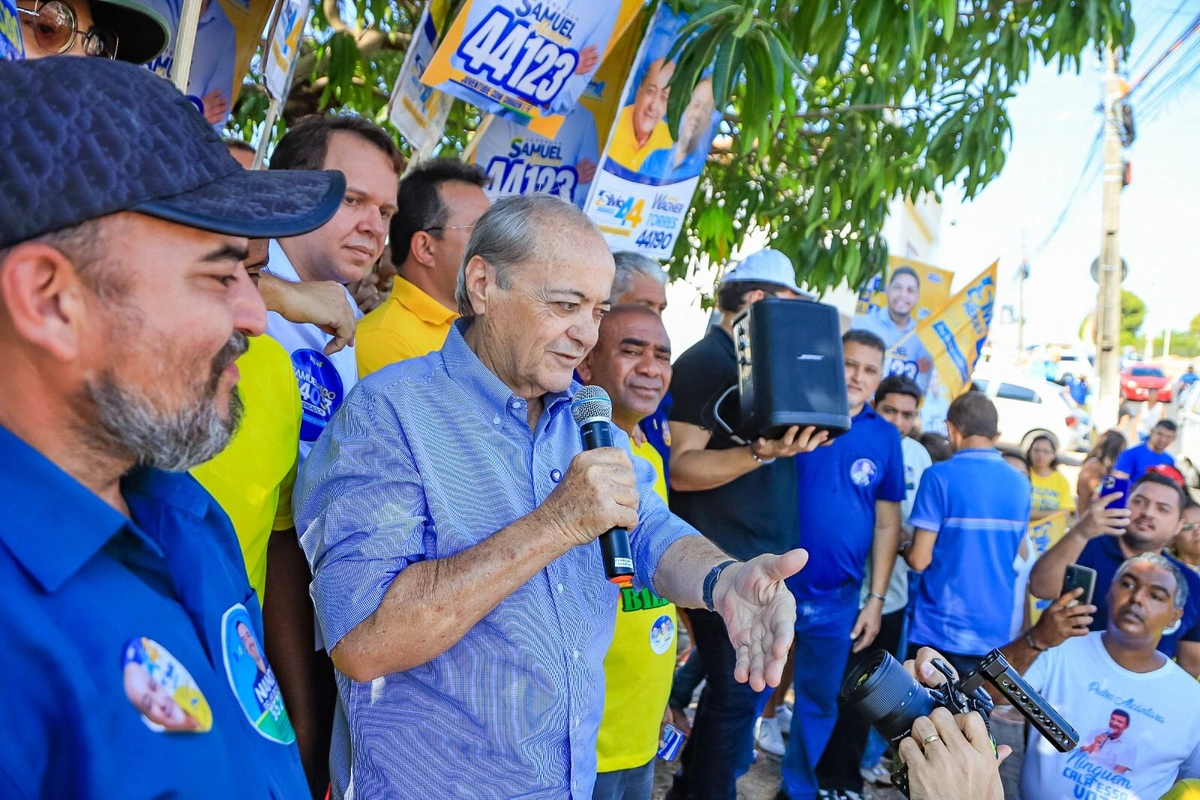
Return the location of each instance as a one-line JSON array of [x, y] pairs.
[[1187, 445], [1031, 407]]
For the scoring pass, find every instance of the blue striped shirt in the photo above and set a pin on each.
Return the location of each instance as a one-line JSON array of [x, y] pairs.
[[979, 508], [426, 458]]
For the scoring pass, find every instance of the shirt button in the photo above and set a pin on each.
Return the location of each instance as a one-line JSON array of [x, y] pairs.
[[555, 475], [575, 655], [496, 420], [560, 588]]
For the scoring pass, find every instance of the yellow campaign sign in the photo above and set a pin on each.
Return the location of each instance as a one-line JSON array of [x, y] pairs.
[[1043, 534], [519, 161], [887, 307], [955, 335], [529, 61]]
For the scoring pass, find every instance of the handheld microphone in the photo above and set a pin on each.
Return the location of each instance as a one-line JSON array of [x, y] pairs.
[[592, 410]]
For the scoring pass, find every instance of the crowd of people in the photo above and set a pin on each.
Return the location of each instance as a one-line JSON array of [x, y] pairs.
[[298, 445]]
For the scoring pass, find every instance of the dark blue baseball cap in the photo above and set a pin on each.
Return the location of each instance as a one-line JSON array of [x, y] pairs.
[[81, 138]]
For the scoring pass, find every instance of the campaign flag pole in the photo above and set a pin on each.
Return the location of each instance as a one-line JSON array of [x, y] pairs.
[[476, 135], [189, 21], [279, 66]]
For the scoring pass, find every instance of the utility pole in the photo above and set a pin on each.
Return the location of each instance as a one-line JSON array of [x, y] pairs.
[[1108, 299], [1021, 306]]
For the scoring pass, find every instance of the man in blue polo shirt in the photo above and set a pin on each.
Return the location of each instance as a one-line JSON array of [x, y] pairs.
[[969, 518], [849, 495], [1136, 460], [1105, 537], [133, 641]]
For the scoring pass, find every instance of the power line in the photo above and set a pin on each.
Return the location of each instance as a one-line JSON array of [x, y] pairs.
[[1088, 163], [1172, 82], [1191, 28], [1149, 47]]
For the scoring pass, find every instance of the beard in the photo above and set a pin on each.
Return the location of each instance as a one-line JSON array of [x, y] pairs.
[[131, 423]]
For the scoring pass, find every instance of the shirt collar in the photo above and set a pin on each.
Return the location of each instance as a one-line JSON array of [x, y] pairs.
[[53, 524], [978, 452], [416, 300], [278, 264], [465, 369]]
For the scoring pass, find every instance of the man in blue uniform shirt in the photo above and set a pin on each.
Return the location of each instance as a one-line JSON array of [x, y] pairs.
[[124, 304], [1151, 453], [849, 507]]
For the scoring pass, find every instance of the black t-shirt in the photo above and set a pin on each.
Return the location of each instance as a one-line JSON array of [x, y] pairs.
[[755, 513]]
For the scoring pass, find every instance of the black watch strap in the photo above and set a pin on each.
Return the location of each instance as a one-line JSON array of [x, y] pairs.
[[710, 582]]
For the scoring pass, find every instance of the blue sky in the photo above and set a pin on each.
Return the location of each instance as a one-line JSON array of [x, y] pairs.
[[1055, 118]]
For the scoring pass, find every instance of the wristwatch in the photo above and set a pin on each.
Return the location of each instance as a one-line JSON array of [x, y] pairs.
[[710, 581]]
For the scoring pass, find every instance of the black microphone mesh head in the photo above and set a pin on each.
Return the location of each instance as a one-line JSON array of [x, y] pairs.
[[591, 402]]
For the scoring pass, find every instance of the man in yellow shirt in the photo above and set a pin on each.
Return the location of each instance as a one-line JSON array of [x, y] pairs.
[[641, 126], [632, 362], [438, 202]]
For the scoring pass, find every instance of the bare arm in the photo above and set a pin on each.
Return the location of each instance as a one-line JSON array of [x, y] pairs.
[[1058, 623], [289, 636], [321, 303], [1188, 657], [430, 605], [683, 568], [1085, 487], [920, 555], [884, 547], [1046, 579], [695, 469], [454, 593]]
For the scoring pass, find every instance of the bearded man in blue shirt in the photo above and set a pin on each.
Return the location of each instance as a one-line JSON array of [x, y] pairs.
[[449, 517]]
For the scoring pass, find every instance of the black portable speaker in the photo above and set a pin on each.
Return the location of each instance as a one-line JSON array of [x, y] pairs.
[[790, 368]]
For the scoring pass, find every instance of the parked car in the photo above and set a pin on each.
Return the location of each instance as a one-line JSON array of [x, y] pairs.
[[1188, 442], [1138, 379], [1031, 407]]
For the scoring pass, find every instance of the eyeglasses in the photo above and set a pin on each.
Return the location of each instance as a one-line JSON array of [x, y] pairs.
[[55, 28], [433, 228]]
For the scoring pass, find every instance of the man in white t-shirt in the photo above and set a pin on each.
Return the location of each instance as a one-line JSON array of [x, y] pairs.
[[343, 250], [1139, 712]]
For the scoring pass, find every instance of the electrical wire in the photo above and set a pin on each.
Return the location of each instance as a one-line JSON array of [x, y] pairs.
[[1191, 28], [1089, 163], [1150, 47]]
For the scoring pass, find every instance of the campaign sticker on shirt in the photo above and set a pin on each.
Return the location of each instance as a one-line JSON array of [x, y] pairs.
[[863, 471], [252, 679], [662, 634], [162, 689], [321, 391]]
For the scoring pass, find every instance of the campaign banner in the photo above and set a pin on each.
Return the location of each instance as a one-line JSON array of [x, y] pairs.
[[1043, 534], [893, 304], [418, 111], [519, 161], [11, 47], [527, 60], [955, 335], [226, 37], [647, 178], [284, 47]]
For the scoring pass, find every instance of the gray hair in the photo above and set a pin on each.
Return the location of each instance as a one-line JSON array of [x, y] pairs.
[[508, 233], [1162, 562], [631, 264]]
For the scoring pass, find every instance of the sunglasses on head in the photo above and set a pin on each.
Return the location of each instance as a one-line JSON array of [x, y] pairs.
[[55, 27]]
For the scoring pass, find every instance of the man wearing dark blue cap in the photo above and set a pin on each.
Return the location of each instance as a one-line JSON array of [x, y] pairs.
[[132, 660]]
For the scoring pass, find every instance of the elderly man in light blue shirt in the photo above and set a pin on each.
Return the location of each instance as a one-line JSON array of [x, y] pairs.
[[449, 517]]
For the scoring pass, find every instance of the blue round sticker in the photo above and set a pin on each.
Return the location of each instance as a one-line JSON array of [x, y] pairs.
[[320, 391], [863, 471]]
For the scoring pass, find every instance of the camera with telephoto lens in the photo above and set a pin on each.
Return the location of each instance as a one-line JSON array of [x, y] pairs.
[[889, 698]]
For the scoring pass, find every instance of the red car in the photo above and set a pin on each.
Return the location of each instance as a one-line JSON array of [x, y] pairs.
[[1138, 379]]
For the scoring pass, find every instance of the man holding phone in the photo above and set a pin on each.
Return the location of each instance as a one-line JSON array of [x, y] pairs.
[[1106, 536]]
